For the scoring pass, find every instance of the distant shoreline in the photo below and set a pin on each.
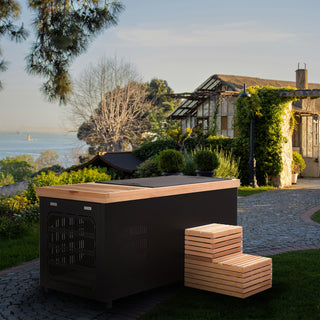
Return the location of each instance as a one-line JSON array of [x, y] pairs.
[[34, 130]]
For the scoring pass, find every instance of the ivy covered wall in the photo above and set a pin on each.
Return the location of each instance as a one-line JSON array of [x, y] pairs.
[[272, 115]]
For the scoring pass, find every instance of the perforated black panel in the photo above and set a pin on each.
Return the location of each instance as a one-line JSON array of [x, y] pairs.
[[71, 240]]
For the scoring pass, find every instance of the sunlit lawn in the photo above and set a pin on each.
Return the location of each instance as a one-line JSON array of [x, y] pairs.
[[247, 191]]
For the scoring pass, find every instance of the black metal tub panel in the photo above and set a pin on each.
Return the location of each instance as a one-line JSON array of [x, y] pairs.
[[108, 251]]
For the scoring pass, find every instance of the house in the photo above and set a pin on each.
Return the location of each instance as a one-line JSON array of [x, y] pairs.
[[212, 104]]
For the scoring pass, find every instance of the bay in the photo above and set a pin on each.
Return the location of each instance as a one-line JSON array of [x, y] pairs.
[[65, 144]]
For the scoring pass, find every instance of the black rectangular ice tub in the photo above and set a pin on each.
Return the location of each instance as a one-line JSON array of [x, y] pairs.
[[109, 240]]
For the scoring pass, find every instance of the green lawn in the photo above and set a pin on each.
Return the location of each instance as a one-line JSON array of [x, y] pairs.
[[16, 251], [294, 295], [316, 216], [247, 191]]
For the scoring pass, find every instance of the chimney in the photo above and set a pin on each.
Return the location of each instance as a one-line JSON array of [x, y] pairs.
[[302, 77]]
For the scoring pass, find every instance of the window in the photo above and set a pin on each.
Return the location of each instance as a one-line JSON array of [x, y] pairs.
[[224, 123]]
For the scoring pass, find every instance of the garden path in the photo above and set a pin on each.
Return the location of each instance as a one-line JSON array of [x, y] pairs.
[[272, 224]]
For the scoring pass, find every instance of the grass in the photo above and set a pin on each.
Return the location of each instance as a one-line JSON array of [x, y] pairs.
[[316, 216], [294, 295], [16, 251], [247, 191]]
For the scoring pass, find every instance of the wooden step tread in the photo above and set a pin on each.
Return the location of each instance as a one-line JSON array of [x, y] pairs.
[[214, 230]]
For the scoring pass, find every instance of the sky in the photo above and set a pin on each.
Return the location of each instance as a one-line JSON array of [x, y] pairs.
[[181, 41]]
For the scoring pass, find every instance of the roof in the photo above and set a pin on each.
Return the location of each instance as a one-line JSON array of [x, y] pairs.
[[213, 84], [121, 161], [236, 82]]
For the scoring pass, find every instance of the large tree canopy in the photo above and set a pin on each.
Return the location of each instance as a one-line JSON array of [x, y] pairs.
[[63, 30], [112, 108]]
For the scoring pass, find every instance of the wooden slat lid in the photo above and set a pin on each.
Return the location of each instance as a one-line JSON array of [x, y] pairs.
[[109, 193]]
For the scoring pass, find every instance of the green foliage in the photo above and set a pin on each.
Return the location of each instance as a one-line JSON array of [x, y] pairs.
[[12, 227], [205, 160], [55, 168], [6, 178], [24, 157], [267, 108], [171, 161], [190, 167], [209, 141], [148, 168], [316, 216], [16, 215], [162, 104], [19, 169], [178, 136], [245, 191], [16, 251], [50, 179], [298, 163], [153, 148], [228, 166], [63, 31]]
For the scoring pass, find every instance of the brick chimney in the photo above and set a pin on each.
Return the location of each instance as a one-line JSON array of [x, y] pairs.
[[302, 77]]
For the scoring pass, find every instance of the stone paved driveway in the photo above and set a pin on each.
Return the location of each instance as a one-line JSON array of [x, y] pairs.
[[271, 220]]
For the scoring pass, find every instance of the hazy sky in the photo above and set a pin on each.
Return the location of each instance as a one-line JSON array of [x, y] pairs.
[[183, 42]]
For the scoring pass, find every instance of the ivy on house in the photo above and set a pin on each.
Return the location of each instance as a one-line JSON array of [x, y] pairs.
[[267, 108]]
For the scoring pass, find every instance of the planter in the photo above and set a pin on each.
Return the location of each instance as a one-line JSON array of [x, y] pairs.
[[294, 178], [205, 173]]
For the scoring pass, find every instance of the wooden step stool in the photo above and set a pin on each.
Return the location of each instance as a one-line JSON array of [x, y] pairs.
[[214, 262]]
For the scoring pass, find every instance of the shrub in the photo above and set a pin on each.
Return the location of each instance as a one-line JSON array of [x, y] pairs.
[[228, 166], [148, 168], [50, 179], [6, 178], [298, 163], [16, 215], [55, 168], [12, 226], [205, 160], [171, 161], [150, 149], [19, 169], [190, 167]]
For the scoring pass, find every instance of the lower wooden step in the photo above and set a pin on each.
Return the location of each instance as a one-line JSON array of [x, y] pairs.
[[265, 286]]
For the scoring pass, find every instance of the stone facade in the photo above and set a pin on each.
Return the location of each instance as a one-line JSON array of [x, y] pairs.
[[285, 177], [198, 112]]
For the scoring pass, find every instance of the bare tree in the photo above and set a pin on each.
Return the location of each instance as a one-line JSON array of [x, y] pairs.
[[109, 105]]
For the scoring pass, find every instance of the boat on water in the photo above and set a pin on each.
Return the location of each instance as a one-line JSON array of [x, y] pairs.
[[29, 138]]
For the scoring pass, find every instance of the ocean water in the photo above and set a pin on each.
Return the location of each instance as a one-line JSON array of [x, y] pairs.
[[66, 144]]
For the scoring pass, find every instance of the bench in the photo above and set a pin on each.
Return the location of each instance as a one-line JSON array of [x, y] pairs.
[[214, 261]]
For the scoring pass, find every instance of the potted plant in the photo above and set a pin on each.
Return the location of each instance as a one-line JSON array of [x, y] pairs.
[[171, 162], [298, 165], [206, 161]]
